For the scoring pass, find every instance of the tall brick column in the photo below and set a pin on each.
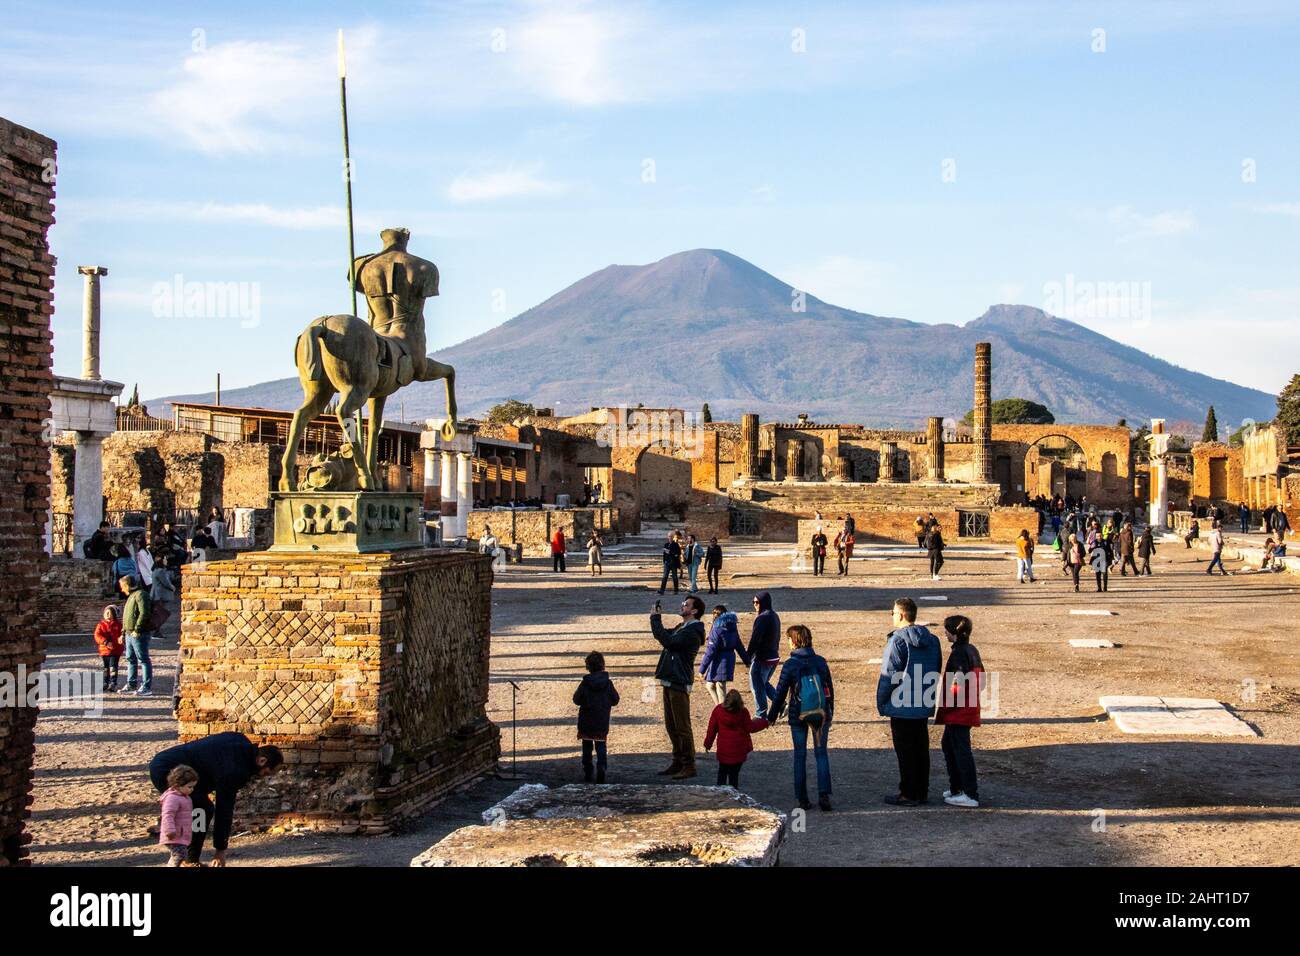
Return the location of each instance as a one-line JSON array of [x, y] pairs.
[[747, 456], [26, 303], [934, 447], [983, 430]]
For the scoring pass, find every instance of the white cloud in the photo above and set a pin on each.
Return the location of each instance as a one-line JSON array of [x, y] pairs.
[[1291, 209], [1136, 226], [262, 214], [502, 184]]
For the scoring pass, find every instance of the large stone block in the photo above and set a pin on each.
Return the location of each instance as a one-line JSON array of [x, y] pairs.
[[378, 702], [617, 825]]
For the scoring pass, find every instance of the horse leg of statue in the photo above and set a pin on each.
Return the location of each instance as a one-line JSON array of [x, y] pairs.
[[437, 370], [350, 401], [316, 395], [372, 437]]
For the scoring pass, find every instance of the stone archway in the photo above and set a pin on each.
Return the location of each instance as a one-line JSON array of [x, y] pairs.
[[1055, 465]]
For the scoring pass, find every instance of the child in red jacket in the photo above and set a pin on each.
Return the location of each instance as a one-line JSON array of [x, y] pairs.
[[108, 639], [730, 726]]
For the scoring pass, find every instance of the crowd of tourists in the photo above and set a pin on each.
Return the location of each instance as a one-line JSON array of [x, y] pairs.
[[914, 687]]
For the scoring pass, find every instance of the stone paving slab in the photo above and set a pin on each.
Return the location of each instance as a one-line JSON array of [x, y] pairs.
[[1174, 716], [1092, 612], [616, 825], [1090, 642]]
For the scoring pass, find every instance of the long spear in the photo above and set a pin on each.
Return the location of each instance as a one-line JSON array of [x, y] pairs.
[[347, 173]]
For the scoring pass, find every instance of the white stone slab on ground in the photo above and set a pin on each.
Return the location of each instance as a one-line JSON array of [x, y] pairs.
[[1174, 716], [1090, 642], [933, 597], [616, 825], [1091, 612]]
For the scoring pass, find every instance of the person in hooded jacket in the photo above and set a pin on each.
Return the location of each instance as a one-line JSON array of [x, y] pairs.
[[596, 696], [731, 726], [802, 663], [718, 665], [764, 650], [1146, 547], [909, 666], [959, 711], [934, 548]]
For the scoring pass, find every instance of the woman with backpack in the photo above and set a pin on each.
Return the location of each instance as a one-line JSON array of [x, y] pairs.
[[806, 680], [959, 711]]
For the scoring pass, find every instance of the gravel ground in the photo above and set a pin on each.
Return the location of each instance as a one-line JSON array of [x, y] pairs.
[[1048, 762]]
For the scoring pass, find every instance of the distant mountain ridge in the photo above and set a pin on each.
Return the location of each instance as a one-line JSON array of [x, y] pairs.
[[707, 326]]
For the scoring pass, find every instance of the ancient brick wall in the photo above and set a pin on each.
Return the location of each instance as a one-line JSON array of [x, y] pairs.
[[1216, 474], [534, 529], [26, 303], [370, 672], [248, 473], [73, 594]]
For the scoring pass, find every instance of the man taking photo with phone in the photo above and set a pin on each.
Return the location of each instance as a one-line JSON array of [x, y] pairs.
[[675, 672]]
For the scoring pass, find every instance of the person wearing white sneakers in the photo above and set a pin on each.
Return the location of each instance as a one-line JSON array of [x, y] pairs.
[[959, 711]]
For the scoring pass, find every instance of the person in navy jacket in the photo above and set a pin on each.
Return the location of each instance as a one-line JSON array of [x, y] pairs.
[[802, 662], [718, 665], [905, 693]]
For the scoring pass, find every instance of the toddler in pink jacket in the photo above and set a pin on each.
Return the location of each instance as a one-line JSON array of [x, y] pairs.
[[177, 824]]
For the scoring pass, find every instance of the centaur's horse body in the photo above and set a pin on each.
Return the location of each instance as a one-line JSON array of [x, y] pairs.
[[366, 362]]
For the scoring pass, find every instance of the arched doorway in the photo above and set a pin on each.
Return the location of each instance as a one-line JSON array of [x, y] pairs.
[[1056, 465]]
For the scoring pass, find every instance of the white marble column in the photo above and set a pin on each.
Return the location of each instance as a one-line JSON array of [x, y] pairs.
[[448, 508], [431, 490], [464, 492], [88, 488]]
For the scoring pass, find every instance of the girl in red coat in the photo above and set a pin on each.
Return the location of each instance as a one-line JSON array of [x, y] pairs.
[[730, 726], [108, 639], [959, 711]]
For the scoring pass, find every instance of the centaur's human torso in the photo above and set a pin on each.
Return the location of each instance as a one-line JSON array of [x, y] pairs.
[[395, 284]]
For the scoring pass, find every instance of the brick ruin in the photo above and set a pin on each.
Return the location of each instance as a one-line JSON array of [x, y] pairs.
[[532, 531], [369, 671], [26, 380]]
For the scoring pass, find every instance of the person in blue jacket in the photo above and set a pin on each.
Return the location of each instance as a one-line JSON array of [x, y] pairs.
[[764, 651], [802, 663], [910, 670], [718, 665]]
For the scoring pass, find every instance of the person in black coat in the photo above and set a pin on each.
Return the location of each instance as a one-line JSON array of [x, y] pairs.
[[225, 763], [595, 697], [672, 562], [713, 563], [934, 548]]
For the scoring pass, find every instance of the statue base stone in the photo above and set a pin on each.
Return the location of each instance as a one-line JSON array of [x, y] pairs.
[[347, 522], [369, 671]]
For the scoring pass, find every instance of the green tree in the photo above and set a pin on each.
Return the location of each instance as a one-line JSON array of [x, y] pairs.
[[1211, 432], [510, 410], [706, 414], [1016, 411], [1288, 410]]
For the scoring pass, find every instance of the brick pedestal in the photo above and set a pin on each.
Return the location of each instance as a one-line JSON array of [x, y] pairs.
[[369, 671]]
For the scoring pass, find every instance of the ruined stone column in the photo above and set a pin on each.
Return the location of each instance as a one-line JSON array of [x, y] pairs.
[[464, 491], [90, 322], [448, 496], [983, 425], [1159, 439], [747, 453], [794, 460], [432, 493], [87, 488], [497, 462], [934, 447], [888, 452]]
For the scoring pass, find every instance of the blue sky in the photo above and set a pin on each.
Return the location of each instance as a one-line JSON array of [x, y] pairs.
[[1135, 167]]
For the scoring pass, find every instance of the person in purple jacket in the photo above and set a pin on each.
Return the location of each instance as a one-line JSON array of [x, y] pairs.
[[718, 666]]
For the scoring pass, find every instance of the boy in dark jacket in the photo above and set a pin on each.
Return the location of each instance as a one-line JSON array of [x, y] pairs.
[[959, 711], [595, 698], [909, 666], [675, 672]]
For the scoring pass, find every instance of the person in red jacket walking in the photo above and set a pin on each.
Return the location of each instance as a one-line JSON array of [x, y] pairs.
[[959, 711], [558, 546], [731, 726], [108, 639]]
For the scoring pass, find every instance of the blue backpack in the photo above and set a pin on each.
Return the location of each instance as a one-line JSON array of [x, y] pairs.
[[812, 697]]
